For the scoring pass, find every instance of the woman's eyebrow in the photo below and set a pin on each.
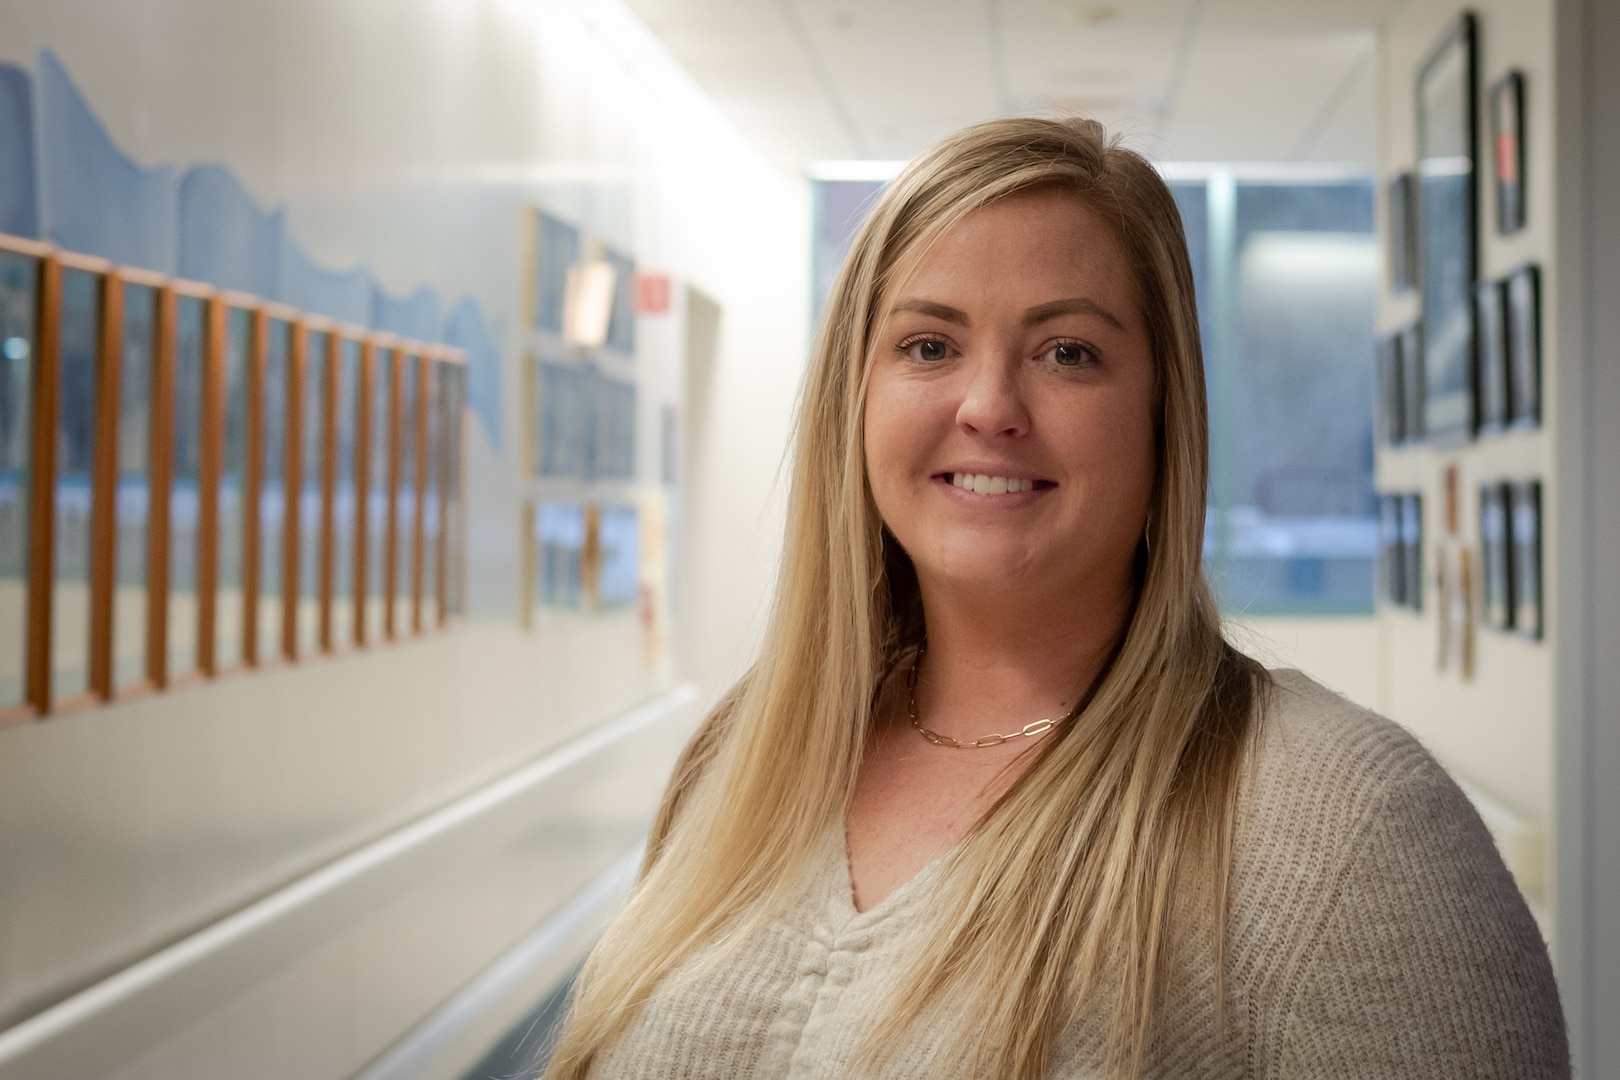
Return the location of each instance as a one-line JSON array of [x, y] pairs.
[[1077, 305], [938, 311]]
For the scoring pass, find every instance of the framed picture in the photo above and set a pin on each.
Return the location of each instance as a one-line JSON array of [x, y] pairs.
[[1490, 323], [1391, 556], [1526, 558], [1507, 139], [1410, 361], [1496, 557], [1403, 258], [1412, 551], [1448, 215], [1390, 427], [1524, 345]]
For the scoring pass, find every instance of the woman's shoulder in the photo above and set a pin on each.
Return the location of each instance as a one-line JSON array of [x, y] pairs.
[[1320, 759], [1372, 919]]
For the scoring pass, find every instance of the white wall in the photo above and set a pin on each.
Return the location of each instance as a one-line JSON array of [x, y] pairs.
[[412, 136]]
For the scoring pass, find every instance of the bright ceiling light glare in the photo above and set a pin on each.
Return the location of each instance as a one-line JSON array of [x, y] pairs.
[[859, 169]]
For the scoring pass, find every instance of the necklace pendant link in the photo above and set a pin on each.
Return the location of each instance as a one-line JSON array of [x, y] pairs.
[[1039, 727]]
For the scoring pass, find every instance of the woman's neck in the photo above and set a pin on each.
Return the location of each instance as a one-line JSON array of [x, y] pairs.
[[992, 666]]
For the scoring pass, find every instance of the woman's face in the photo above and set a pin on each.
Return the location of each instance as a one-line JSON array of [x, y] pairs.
[[1009, 419]]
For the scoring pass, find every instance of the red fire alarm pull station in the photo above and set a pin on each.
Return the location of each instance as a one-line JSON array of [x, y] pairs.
[[652, 294]]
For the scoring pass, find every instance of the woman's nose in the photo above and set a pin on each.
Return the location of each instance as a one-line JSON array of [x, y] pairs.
[[993, 399]]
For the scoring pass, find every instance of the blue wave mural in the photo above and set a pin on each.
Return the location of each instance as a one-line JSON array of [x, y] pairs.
[[62, 178]]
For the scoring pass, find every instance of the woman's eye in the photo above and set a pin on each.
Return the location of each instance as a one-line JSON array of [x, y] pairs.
[[931, 350], [1069, 354]]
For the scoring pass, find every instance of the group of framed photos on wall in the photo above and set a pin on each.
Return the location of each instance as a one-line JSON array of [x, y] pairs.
[[1470, 364], [581, 524]]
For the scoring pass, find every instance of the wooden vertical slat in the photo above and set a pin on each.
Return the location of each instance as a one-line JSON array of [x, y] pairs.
[[160, 481], [104, 486], [253, 484], [296, 346], [461, 487], [362, 484], [211, 432], [418, 511], [42, 489], [441, 468], [326, 543], [396, 391]]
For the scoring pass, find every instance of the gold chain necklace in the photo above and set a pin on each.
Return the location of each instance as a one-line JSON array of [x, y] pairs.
[[1039, 727]]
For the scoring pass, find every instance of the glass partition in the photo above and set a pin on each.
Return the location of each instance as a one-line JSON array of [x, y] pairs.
[[312, 458], [405, 534], [190, 356], [230, 593], [133, 502], [270, 610], [19, 296], [75, 464], [379, 584], [345, 537], [432, 386]]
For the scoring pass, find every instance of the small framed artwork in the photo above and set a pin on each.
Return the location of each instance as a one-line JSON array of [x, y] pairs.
[[1390, 426], [1448, 216], [1525, 511], [1403, 256], [1410, 361], [1490, 323], [1412, 551], [1507, 140], [1391, 555], [1496, 556], [1524, 345]]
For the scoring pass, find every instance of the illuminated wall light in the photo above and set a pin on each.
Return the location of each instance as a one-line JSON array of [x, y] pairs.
[[15, 348], [588, 303]]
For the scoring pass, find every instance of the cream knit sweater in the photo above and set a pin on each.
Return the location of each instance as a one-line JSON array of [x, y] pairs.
[[1374, 932]]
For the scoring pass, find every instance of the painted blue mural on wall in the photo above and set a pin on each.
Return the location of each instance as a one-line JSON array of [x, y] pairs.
[[62, 178], [225, 238], [92, 198], [18, 206]]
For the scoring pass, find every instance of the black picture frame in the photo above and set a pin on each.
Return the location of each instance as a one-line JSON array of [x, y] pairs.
[[1525, 509], [1391, 427], [1391, 555], [1448, 224], [1412, 551], [1411, 360], [1524, 345], [1507, 151], [1490, 318], [1496, 555], [1403, 253]]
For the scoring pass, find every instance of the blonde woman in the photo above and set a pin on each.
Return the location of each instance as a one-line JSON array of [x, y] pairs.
[[998, 799]]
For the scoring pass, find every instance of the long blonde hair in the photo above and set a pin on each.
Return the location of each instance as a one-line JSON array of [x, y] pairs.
[[1110, 854]]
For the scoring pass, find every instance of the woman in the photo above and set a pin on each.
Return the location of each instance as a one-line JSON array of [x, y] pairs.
[[998, 799]]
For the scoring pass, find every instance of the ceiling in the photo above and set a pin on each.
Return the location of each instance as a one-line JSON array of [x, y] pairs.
[[1185, 80]]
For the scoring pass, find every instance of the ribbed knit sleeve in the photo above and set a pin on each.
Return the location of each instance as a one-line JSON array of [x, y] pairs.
[[1423, 960]]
